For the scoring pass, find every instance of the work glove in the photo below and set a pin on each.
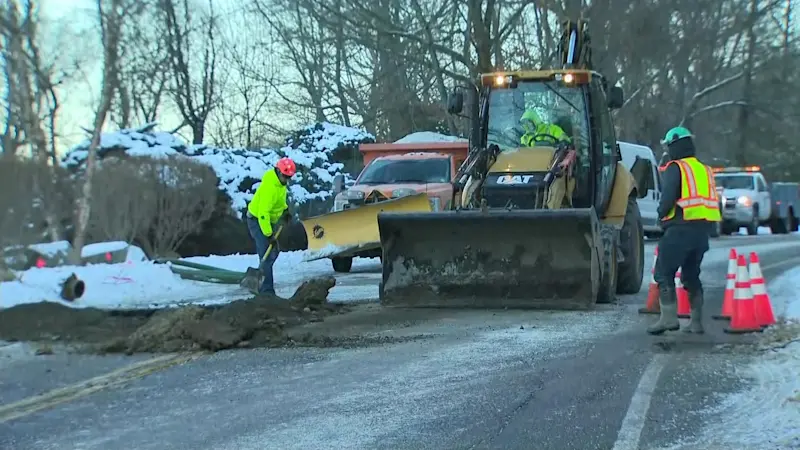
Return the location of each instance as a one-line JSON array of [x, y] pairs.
[[286, 217], [272, 241]]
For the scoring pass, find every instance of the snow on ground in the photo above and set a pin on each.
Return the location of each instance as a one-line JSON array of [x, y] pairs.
[[766, 415], [143, 284], [428, 136]]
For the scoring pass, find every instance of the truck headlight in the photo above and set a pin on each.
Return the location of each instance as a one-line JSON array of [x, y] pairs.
[[436, 203], [403, 192], [744, 200], [344, 197]]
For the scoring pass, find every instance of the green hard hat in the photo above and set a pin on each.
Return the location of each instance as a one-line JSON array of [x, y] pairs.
[[676, 133]]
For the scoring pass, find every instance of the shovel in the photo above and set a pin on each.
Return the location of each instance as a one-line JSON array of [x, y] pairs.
[[252, 277]]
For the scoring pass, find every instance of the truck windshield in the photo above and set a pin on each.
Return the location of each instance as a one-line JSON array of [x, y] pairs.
[[549, 101], [390, 171], [734, 181]]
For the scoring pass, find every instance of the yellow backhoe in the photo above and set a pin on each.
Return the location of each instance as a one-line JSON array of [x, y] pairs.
[[546, 213]]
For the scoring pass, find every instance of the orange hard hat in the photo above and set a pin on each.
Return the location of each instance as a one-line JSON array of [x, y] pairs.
[[286, 166]]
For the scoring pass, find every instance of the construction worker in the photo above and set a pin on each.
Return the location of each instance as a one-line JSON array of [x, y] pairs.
[[688, 207], [267, 209], [536, 130]]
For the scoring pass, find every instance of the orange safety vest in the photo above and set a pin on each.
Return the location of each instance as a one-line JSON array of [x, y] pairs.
[[698, 198]]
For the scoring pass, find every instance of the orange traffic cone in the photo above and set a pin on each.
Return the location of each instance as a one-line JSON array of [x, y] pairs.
[[684, 308], [763, 306], [652, 306], [730, 287], [744, 308]]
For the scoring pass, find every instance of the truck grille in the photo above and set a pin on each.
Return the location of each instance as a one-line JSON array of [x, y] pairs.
[[730, 203]]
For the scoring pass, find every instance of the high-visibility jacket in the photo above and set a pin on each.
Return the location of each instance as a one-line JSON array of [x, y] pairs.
[[269, 202], [543, 131], [698, 198]]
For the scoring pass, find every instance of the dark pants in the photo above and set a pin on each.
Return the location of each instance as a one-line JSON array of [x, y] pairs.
[[268, 285], [681, 246]]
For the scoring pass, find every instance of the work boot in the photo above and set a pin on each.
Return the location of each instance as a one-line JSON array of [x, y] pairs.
[[668, 300], [696, 322]]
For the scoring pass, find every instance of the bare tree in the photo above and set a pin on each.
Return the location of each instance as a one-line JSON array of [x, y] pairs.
[[194, 98], [143, 67], [246, 113], [110, 15], [31, 103]]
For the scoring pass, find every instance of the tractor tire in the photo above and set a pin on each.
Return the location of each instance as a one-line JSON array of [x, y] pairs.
[[631, 242], [608, 281]]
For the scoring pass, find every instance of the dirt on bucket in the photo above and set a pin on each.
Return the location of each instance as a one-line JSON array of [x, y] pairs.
[[262, 321]]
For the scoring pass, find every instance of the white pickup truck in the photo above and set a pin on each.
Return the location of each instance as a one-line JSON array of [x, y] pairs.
[[749, 201]]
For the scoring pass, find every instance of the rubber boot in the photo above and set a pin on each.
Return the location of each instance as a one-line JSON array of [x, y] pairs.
[[696, 322], [668, 300]]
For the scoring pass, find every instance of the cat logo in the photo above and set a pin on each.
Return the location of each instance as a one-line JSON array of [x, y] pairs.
[[514, 179]]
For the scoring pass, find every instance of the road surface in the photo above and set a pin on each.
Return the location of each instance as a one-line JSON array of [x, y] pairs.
[[468, 380]]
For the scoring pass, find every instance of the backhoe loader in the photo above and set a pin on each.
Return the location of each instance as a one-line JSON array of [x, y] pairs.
[[546, 214]]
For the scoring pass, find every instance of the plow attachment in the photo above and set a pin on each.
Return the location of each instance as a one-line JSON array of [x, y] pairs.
[[345, 233], [535, 259]]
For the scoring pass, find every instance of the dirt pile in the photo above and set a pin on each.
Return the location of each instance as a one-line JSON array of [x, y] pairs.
[[260, 321]]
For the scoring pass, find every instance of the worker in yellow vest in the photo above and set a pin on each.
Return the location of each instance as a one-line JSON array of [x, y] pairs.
[[687, 210]]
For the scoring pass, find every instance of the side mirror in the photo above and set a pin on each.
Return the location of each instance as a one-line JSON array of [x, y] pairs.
[[338, 183], [455, 101], [640, 170], [615, 97]]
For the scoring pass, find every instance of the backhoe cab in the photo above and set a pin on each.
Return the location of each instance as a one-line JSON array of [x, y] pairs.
[[577, 102]]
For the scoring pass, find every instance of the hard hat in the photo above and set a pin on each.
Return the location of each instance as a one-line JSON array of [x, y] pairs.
[[286, 166], [676, 133]]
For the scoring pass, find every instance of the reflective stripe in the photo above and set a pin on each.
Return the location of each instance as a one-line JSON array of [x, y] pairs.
[[698, 200], [685, 202], [688, 179]]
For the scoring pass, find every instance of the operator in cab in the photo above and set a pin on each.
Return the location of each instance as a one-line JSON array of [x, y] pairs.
[[687, 209], [537, 130], [264, 213]]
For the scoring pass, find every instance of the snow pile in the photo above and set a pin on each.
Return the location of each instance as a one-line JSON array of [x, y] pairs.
[[784, 295], [240, 170], [428, 136], [138, 283]]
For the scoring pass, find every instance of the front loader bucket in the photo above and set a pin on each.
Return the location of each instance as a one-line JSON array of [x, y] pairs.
[[534, 259], [345, 233]]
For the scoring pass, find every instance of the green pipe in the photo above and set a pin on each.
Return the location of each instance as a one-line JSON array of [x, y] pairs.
[[204, 279], [202, 275], [194, 265]]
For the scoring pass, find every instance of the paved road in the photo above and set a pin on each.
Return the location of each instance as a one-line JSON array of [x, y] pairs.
[[505, 380]]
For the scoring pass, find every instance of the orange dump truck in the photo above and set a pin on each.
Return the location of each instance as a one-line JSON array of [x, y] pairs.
[[396, 177]]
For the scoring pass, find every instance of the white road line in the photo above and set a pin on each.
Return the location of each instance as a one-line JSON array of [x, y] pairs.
[[630, 433]]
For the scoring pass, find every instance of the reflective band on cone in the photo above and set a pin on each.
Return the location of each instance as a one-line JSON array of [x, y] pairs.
[[652, 306], [744, 309], [730, 287], [763, 306]]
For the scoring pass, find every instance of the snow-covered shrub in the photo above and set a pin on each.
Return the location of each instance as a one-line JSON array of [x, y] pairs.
[[313, 148]]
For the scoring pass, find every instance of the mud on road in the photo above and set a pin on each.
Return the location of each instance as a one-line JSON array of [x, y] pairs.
[[256, 322]]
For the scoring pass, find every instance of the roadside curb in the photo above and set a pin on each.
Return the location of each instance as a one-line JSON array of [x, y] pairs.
[[87, 387]]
